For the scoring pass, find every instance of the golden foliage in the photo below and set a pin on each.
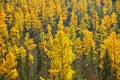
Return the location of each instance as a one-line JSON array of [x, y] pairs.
[[88, 40], [55, 29], [60, 62], [113, 46]]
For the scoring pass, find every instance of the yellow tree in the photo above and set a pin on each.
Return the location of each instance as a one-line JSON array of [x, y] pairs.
[[19, 21], [98, 3], [7, 67], [114, 22], [73, 25], [7, 59], [84, 24], [112, 43], [88, 40], [51, 11], [117, 6], [106, 22], [58, 7], [60, 67], [27, 20], [83, 6], [9, 15], [108, 5]]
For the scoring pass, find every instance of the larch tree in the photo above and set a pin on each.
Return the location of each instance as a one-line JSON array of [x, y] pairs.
[[29, 59], [107, 67], [87, 41], [73, 26], [60, 67], [7, 58], [112, 45], [42, 37]]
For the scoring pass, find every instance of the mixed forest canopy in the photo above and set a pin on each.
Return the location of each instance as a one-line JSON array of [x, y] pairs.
[[59, 39]]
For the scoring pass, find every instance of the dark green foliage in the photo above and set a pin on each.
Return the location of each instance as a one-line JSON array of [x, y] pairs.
[[107, 68], [91, 59], [78, 73], [28, 68], [2, 77], [21, 69]]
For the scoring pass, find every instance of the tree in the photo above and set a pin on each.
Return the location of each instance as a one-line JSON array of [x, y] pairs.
[[29, 45], [112, 45], [87, 41], [107, 67], [60, 67], [77, 49], [7, 67]]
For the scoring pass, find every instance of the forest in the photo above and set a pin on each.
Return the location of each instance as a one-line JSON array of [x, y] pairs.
[[59, 39]]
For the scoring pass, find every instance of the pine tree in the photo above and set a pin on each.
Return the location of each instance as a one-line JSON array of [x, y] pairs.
[[107, 67], [29, 45]]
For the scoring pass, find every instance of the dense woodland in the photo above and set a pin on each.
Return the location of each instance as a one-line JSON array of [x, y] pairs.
[[59, 39]]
